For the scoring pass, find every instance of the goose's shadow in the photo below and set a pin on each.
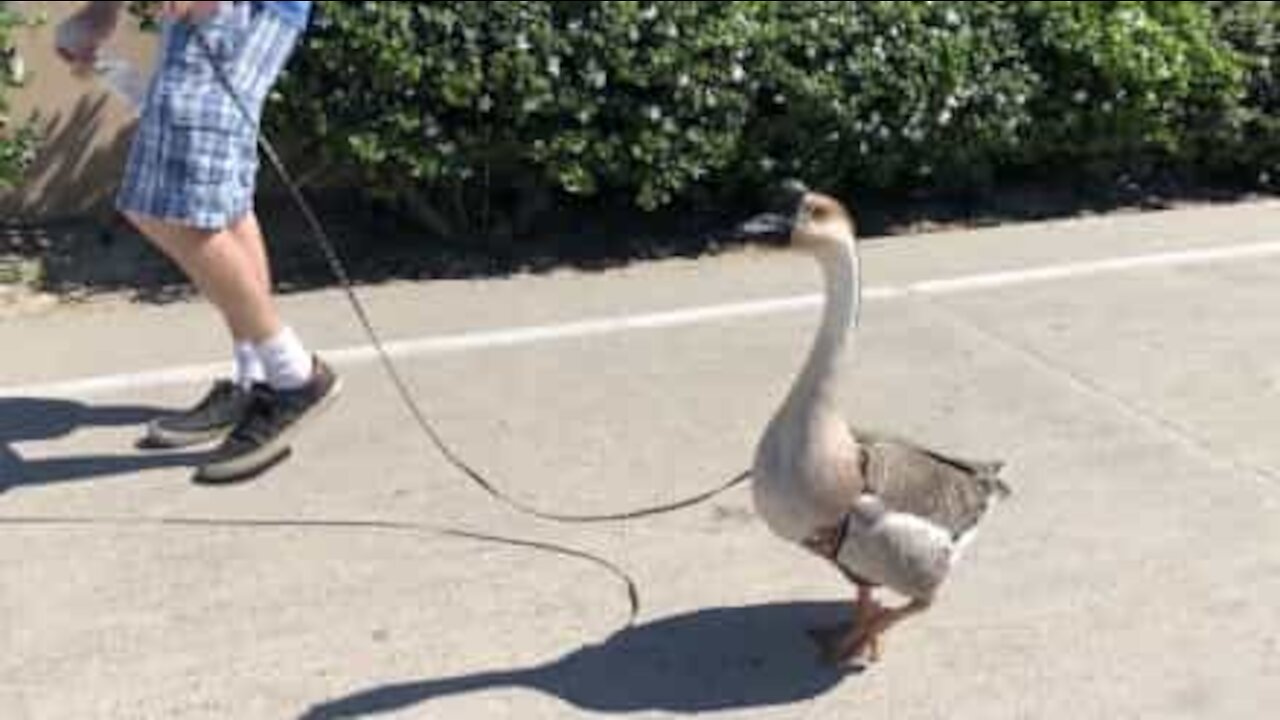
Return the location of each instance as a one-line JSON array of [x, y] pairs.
[[710, 660], [42, 420]]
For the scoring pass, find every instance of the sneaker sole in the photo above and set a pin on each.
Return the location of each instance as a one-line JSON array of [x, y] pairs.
[[202, 477], [269, 455]]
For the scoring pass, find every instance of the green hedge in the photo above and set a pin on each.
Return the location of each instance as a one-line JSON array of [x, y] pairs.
[[477, 116], [1124, 85], [474, 113], [17, 138], [888, 95], [1252, 29]]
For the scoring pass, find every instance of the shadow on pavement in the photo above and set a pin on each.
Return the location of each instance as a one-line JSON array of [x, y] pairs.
[[710, 660], [43, 420]]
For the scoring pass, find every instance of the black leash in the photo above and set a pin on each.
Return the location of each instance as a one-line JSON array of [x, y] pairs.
[[478, 478], [457, 461], [387, 526], [338, 268]]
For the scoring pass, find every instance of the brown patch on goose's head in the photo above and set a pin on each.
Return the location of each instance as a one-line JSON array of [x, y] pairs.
[[802, 219], [822, 221]]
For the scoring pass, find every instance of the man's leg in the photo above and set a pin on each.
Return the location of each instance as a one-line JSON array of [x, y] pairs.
[[218, 265], [248, 234], [249, 368], [194, 165], [230, 268], [233, 280]]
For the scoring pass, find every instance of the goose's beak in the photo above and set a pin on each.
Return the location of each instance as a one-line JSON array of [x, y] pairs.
[[772, 228], [775, 227]]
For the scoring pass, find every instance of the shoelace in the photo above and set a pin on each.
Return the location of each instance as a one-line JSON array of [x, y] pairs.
[[261, 416]]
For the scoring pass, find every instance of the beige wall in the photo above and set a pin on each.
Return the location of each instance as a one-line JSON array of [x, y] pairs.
[[86, 128]]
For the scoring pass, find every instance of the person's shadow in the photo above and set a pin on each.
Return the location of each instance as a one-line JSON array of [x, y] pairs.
[[710, 660], [38, 419]]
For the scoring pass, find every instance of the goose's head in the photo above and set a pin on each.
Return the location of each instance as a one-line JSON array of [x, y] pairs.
[[803, 219]]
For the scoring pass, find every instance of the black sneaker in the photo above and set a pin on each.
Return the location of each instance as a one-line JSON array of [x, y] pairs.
[[261, 439], [220, 410]]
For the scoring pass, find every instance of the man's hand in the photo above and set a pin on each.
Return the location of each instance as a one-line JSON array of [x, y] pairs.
[[80, 36], [191, 11]]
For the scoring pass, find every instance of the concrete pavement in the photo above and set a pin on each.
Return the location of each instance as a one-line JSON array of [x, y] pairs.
[[1136, 573]]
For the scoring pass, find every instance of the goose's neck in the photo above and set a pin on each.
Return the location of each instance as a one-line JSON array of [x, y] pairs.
[[818, 383]]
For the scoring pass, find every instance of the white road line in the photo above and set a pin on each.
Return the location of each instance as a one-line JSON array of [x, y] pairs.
[[509, 337]]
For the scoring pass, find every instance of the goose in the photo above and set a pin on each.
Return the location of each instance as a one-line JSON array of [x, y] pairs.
[[888, 513]]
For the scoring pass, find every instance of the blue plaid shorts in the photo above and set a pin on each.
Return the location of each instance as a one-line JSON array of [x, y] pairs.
[[194, 158]]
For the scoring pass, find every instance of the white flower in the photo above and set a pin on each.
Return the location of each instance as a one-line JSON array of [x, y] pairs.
[[553, 66], [17, 69]]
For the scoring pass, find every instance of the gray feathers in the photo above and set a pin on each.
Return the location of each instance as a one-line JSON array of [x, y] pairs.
[[950, 492], [918, 510]]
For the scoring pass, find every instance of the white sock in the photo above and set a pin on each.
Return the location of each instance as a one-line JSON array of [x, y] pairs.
[[249, 369], [287, 362]]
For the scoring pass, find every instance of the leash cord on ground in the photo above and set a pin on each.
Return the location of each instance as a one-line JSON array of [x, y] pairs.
[[339, 270], [386, 526]]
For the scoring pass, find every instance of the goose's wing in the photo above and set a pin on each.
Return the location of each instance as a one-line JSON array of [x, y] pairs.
[[950, 492]]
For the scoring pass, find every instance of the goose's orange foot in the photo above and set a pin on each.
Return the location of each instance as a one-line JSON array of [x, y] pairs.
[[863, 641], [857, 644], [840, 643]]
